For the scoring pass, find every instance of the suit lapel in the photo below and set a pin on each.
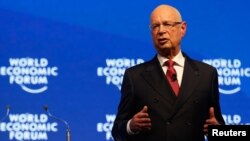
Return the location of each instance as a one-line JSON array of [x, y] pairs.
[[154, 75], [190, 80]]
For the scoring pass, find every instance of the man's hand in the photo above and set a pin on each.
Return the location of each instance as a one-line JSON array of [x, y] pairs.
[[140, 121], [211, 121]]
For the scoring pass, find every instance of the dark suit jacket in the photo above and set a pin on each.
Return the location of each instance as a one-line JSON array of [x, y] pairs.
[[173, 118]]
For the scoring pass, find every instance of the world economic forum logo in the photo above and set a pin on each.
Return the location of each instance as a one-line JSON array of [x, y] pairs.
[[115, 68], [230, 73], [31, 74], [27, 127], [235, 119], [106, 126]]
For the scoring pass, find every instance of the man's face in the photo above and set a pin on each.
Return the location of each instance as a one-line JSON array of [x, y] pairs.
[[167, 30]]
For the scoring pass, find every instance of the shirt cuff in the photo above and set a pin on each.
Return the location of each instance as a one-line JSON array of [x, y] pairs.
[[129, 131]]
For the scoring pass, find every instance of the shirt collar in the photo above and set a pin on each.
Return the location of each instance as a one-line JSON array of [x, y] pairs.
[[178, 59]]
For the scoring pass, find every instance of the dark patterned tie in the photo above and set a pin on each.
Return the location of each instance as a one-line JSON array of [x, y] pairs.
[[172, 76]]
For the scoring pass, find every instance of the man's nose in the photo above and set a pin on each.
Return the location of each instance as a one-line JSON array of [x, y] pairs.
[[162, 29]]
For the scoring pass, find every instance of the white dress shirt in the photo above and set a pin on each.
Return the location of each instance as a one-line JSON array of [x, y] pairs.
[[179, 60]]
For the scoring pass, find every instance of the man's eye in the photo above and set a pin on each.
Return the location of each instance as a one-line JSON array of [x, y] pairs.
[[166, 24], [155, 26]]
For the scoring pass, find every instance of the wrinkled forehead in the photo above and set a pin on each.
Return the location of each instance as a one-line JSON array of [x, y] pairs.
[[165, 13]]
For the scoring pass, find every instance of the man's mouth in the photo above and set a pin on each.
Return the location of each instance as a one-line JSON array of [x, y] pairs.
[[163, 40]]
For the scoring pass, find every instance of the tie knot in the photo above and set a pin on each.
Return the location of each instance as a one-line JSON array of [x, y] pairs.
[[170, 63]]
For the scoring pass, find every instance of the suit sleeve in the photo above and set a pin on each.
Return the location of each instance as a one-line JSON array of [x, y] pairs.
[[216, 98], [125, 109]]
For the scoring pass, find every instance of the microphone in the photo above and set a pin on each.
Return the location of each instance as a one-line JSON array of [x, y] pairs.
[[46, 108], [7, 113], [174, 77]]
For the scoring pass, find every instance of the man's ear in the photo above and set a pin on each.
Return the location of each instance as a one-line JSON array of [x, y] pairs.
[[183, 28]]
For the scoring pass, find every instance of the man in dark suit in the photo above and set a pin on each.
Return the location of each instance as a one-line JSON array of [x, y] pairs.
[[150, 109]]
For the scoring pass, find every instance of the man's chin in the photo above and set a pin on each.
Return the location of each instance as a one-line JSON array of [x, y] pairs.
[[165, 48], [164, 51]]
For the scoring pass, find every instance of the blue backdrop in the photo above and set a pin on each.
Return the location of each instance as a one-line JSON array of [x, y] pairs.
[[71, 55]]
